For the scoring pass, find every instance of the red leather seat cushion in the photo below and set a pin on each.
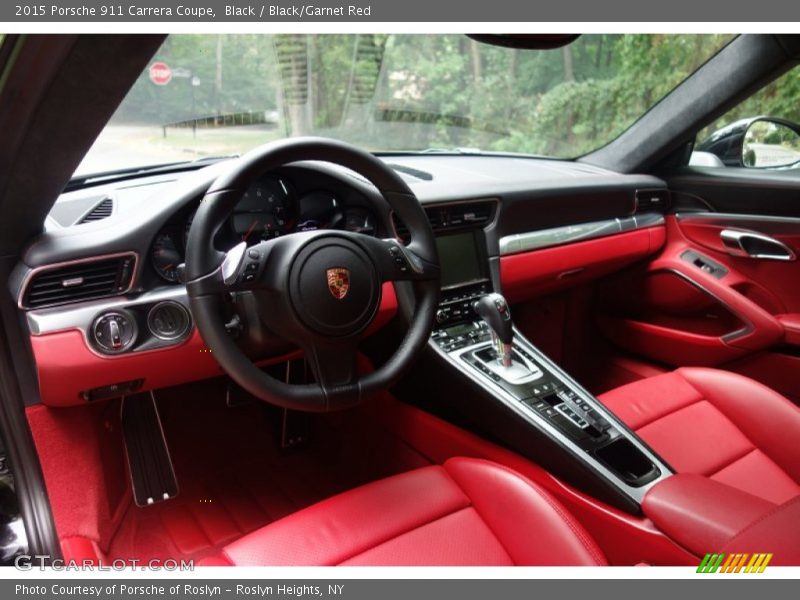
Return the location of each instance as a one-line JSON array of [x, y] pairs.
[[466, 512], [717, 424]]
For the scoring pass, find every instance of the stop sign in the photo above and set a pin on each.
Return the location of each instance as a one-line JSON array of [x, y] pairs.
[[160, 73]]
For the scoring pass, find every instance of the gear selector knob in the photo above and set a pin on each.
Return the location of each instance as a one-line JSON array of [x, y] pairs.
[[494, 309]]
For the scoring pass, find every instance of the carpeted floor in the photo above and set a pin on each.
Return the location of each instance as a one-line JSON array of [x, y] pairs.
[[232, 476]]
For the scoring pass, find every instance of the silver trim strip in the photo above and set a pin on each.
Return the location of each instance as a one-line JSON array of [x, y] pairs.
[[36, 270], [81, 316], [557, 236], [42, 321], [634, 493]]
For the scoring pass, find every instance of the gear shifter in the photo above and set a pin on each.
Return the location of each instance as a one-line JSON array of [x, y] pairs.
[[494, 309]]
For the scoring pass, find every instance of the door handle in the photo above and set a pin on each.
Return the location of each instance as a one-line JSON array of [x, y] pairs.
[[755, 245]]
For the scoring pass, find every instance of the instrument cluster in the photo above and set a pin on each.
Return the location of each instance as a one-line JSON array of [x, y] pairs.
[[268, 209]]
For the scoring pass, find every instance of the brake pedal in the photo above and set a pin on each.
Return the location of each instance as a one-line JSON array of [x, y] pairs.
[[149, 462]]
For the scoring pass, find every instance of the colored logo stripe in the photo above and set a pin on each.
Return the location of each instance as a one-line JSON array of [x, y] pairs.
[[734, 563]]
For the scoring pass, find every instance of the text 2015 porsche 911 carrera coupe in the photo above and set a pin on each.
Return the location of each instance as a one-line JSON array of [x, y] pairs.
[[400, 299]]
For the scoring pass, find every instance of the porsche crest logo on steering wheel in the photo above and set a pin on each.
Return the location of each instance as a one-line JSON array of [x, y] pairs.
[[338, 282]]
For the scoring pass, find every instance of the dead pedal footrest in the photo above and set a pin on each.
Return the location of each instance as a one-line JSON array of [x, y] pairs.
[[149, 462]]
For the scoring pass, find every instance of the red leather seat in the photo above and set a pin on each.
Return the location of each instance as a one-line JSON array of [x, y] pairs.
[[717, 424], [466, 512]]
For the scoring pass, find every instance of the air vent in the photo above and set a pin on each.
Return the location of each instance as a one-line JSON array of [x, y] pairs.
[[102, 210], [451, 216], [652, 201], [464, 215], [80, 281]]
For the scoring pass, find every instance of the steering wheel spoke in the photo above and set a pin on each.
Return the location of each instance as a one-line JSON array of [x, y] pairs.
[[242, 269], [333, 365], [396, 262]]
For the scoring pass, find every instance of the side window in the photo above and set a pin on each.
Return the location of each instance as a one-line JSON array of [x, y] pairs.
[[763, 132]]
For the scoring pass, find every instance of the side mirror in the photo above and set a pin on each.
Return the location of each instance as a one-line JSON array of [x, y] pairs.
[[770, 143]]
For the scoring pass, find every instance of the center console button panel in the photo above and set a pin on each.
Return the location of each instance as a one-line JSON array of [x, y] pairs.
[[551, 401], [456, 306]]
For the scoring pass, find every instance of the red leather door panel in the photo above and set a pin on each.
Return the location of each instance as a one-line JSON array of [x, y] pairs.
[[779, 281], [678, 313]]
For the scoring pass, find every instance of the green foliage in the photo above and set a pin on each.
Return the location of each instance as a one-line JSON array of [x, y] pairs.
[[436, 91], [781, 98]]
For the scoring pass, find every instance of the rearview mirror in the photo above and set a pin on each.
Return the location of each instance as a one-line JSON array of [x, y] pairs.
[[769, 143]]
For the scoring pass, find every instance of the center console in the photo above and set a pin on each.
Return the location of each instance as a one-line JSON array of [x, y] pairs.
[[475, 336]]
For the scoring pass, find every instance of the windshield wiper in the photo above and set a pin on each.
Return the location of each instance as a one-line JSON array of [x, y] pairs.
[[90, 179], [451, 151]]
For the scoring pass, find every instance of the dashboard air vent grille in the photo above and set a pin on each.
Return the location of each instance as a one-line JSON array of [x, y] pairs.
[[102, 210], [451, 216], [652, 201], [80, 281]]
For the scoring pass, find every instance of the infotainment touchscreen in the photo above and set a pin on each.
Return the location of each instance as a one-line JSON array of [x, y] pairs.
[[462, 258]]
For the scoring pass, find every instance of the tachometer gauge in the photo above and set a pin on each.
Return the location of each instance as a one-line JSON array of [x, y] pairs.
[[166, 257], [265, 211], [359, 220]]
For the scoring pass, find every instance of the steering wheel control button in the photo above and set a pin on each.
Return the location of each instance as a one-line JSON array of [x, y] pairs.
[[404, 260], [168, 320], [254, 254], [334, 287], [113, 332]]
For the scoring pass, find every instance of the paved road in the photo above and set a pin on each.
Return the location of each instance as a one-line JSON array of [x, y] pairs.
[[774, 155], [129, 146]]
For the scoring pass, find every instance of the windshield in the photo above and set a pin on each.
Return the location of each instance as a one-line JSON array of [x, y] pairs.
[[217, 95]]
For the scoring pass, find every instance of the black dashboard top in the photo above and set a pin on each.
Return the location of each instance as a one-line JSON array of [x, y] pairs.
[[533, 194]]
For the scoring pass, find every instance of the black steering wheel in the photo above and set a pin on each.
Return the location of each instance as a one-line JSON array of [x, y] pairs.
[[317, 289]]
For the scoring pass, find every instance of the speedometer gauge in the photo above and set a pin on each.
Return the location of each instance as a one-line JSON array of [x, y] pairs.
[[166, 257]]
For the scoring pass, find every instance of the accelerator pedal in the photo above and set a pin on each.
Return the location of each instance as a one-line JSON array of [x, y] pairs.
[[149, 462]]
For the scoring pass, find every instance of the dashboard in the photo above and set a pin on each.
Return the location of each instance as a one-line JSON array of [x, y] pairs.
[[107, 313], [270, 208]]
